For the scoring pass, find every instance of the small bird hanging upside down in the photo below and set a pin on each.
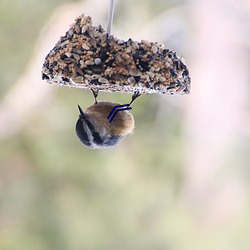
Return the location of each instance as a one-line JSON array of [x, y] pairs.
[[94, 129]]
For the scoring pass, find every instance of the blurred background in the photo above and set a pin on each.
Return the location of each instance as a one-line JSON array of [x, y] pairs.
[[180, 182]]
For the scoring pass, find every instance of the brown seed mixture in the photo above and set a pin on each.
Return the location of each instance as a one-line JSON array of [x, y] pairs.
[[87, 57]]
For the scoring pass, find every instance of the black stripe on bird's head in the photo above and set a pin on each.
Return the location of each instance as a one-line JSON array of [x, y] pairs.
[[80, 130]]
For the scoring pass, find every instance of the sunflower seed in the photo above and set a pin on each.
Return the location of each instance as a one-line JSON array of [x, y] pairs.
[[134, 72], [88, 62], [85, 46], [95, 76], [120, 42], [135, 45], [154, 49], [77, 57], [150, 74], [77, 29], [145, 42], [84, 29], [61, 62], [68, 54], [69, 60], [103, 80], [88, 77]]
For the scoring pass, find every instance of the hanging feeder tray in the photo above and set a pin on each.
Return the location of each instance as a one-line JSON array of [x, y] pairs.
[[88, 57]]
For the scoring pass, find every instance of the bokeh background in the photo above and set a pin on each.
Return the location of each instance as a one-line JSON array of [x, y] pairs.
[[180, 182]]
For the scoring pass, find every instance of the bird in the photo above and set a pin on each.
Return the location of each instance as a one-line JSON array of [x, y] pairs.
[[95, 131]]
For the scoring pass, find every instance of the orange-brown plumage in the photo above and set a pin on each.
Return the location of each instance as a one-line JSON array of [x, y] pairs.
[[122, 124], [95, 130]]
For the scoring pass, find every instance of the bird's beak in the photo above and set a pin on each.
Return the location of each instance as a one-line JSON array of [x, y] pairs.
[[82, 115]]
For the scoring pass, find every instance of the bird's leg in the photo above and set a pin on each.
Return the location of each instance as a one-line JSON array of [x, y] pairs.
[[95, 94], [134, 97]]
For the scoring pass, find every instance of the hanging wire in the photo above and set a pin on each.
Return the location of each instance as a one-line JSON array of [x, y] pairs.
[[110, 15]]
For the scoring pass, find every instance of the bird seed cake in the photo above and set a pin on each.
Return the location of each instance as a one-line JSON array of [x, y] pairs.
[[88, 57]]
